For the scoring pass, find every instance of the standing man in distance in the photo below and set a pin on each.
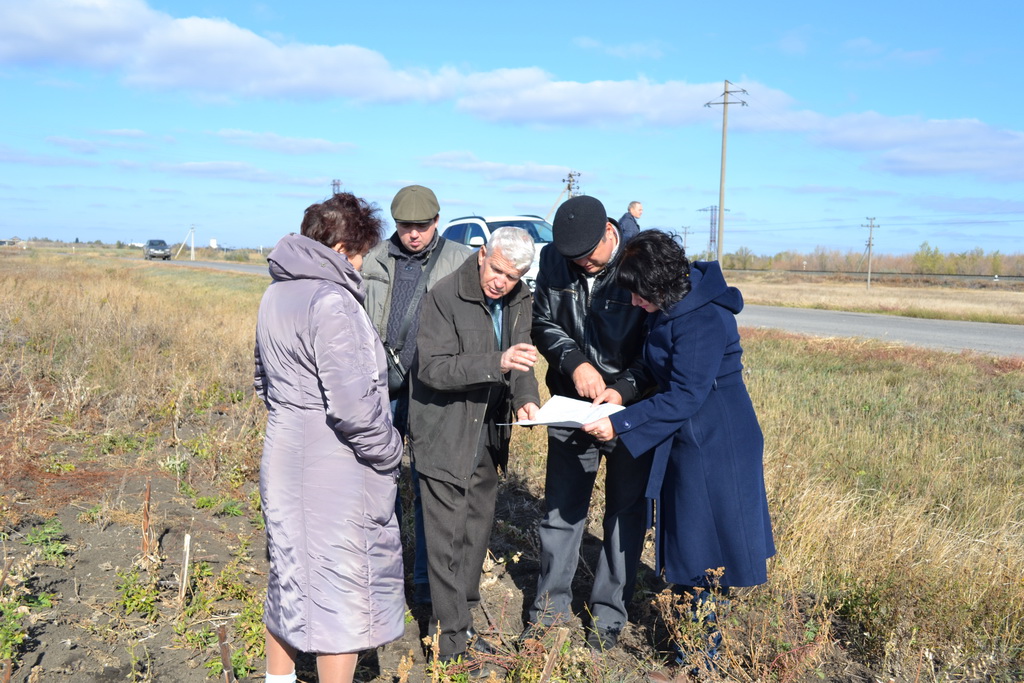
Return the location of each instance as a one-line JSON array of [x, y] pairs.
[[628, 224], [592, 338], [474, 376], [397, 273]]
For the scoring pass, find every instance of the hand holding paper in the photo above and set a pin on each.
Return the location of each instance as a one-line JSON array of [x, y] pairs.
[[561, 411]]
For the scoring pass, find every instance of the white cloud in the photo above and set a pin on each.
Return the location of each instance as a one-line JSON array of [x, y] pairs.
[[124, 133], [794, 41], [867, 54], [224, 170], [467, 162], [215, 58], [236, 170], [208, 56], [972, 205], [284, 145], [537, 98], [91, 32], [9, 155], [651, 50], [912, 145], [77, 146], [838, 191], [90, 146]]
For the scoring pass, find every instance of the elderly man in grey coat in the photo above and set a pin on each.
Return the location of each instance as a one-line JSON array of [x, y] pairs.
[[474, 377]]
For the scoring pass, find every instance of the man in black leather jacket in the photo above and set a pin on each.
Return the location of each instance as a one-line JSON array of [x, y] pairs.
[[592, 338]]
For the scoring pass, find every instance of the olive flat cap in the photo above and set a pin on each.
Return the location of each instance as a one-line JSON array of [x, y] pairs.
[[414, 204], [579, 225]]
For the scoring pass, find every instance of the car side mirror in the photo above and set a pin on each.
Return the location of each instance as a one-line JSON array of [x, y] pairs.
[[476, 241]]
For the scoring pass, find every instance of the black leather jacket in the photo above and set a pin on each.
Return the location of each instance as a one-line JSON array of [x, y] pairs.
[[572, 326]]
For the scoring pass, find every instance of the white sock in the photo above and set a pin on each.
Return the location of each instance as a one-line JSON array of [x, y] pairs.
[[281, 678]]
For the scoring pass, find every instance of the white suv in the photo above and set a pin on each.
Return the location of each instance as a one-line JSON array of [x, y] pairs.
[[476, 230]]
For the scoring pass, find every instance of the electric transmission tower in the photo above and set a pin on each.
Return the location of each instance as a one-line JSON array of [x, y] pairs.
[[572, 187], [335, 186], [712, 238]]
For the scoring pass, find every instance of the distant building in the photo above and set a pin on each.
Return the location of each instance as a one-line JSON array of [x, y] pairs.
[[13, 241]]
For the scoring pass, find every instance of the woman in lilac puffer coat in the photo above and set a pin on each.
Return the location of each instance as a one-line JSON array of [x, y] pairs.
[[328, 474]]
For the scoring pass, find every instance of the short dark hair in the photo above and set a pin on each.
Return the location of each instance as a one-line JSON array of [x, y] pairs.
[[344, 218], [654, 265]]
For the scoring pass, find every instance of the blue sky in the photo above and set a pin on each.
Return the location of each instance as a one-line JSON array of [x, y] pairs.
[[128, 120]]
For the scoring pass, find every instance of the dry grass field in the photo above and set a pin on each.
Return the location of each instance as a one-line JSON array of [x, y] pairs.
[[127, 420]]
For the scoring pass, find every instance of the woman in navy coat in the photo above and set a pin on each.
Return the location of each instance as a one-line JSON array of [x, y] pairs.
[[708, 475]]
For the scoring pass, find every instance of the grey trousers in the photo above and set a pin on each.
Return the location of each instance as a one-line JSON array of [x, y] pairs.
[[573, 459], [458, 523]]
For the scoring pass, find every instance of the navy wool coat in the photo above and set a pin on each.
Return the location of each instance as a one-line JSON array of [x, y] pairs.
[[708, 473]]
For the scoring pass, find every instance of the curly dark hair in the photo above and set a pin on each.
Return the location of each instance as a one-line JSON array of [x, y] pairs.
[[654, 265], [344, 218]]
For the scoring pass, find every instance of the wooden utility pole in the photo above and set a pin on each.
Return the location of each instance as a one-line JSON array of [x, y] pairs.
[[871, 239], [721, 181]]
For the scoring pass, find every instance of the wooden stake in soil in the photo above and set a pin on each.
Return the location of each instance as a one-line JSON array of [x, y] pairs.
[[145, 520], [225, 654], [555, 653]]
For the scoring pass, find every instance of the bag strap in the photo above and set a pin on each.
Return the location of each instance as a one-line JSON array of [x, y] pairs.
[[403, 331]]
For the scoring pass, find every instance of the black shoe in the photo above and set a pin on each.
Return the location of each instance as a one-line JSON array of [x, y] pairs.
[[421, 594], [602, 639], [484, 647]]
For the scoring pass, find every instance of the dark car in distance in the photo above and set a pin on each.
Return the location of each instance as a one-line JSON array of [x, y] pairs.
[[156, 249]]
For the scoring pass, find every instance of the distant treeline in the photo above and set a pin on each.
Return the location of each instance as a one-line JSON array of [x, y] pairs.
[[927, 260]]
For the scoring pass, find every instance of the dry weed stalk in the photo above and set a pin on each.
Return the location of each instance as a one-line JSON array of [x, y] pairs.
[[405, 666], [150, 552]]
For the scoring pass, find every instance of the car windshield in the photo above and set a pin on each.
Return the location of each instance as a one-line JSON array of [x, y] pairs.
[[157, 243], [539, 230]]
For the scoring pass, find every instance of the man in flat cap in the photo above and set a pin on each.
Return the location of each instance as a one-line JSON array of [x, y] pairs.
[[397, 273], [592, 338]]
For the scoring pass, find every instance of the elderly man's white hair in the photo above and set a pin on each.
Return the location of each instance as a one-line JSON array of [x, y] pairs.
[[515, 244]]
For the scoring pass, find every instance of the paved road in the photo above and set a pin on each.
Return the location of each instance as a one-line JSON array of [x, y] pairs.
[[947, 335]]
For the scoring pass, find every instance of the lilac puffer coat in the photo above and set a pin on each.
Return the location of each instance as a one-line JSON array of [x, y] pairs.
[[328, 475]]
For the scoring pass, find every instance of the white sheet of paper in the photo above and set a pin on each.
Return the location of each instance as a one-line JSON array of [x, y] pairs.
[[561, 411]]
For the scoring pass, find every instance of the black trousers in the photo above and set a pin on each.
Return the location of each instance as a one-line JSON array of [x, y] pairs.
[[457, 522]]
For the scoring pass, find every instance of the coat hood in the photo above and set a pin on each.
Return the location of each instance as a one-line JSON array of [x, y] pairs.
[[299, 258], [707, 286]]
